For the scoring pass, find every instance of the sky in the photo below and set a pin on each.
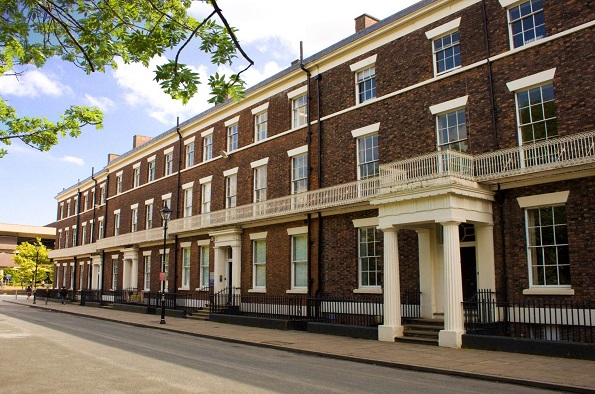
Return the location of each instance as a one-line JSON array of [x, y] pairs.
[[269, 31]]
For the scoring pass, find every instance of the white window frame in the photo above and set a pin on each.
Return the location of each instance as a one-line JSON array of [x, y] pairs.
[[186, 262], [446, 108], [363, 71], [260, 183], [231, 191], [258, 239], [136, 175], [439, 33], [84, 233], [115, 272], [151, 169], [117, 222], [149, 214], [369, 224], [187, 188], [147, 271], [189, 152], [261, 122], [207, 145], [299, 107], [204, 269], [548, 200], [169, 162], [134, 218], [205, 194], [102, 190], [101, 228], [119, 182], [509, 5], [295, 234], [66, 237], [74, 236]]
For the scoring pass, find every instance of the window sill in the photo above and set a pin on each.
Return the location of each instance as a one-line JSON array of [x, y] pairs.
[[370, 290], [297, 291], [184, 288], [549, 291], [257, 290]]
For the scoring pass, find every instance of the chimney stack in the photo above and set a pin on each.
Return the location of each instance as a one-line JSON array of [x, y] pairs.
[[364, 21], [138, 140]]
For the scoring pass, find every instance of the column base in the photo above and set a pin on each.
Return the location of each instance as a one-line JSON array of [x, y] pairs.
[[452, 339], [389, 333]]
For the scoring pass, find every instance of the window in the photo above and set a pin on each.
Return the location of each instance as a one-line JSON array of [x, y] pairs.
[[84, 234], [115, 274], [119, 183], [147, 264], [92, 197], [81, 276], [134, 217], [64, 275], [190, 155], [185, 268], [207, 147], [86, 202], [66, 238], [259, 262], [68, 209], [299, 261], [299, 174], [76, 205], [92, 232], [261, 126], [370, 262], [100, 235], [527, 23], [298, 111], [366, 84], [188, 202], [59, 239], [149, 216], [151, 171], [136, 177], [102, 192], [260, 183], [547, 246], [367, 156], [536, 114], [231, 191], [117, 223], [169, 163], [206, 197], [74, 234], [452, 131], [447, 53], [61, 214], [204, 266], [232, 138]]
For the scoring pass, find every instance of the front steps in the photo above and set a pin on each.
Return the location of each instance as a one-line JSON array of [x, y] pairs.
[[200, 314], [421, 331]]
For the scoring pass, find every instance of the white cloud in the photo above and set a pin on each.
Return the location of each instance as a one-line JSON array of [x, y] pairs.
[[103, 103], [140, 90], [32, 83], [73, 160]]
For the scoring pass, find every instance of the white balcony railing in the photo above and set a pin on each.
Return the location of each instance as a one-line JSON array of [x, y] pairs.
[[569, 151]]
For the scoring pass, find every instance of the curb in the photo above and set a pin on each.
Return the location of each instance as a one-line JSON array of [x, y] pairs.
[[361, 360]]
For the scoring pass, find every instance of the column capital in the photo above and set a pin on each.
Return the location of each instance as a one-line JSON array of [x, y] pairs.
[[452, 222], [389, 229]]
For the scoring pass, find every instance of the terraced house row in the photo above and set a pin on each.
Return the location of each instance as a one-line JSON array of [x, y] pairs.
[[439, 157]]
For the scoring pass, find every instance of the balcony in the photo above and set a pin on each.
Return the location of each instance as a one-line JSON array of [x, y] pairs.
[[568, 152], [135, 238]]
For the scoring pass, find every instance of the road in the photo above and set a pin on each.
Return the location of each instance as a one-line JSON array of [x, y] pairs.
[[48, 351]]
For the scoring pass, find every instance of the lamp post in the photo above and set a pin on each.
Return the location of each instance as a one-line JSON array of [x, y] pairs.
[[37, 246], [165, 215]]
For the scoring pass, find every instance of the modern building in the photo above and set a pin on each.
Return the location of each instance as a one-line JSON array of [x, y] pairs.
[[446, 151], [12, 235]]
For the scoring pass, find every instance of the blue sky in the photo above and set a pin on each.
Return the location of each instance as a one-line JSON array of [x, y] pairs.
[[270, 32]]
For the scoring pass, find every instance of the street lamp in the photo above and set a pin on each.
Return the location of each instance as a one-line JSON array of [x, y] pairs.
[[165, 215], [37, 246]]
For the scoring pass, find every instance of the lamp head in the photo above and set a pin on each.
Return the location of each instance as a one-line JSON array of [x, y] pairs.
[[165, 212]]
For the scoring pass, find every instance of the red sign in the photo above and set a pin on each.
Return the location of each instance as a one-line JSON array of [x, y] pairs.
[[162, 276]]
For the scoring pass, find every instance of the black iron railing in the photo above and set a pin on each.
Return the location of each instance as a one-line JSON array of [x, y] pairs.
[[535, 319]]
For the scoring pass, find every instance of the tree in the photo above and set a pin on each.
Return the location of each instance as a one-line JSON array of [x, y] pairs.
[[27, 256], [92, 34]]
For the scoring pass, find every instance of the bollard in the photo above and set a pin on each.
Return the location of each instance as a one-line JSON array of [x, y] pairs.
[[15, 294]]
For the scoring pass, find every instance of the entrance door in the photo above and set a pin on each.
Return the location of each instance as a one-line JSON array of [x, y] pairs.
[[468, 272]]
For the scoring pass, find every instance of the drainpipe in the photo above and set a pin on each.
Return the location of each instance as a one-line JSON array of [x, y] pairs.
[[104, 230], [78, 222], [490, 80], [309, 144], [94, 203], [320, 288], [177, 205]]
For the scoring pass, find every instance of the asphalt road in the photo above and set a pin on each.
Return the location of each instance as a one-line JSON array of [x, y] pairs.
[[54, 352]]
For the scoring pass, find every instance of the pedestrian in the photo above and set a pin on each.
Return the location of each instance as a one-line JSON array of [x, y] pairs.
[[46, 294], [28, 292], [63, 294]]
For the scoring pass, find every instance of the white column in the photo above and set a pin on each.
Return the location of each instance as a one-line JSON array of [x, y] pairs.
[[426, 272], [453, 289], [484, 236], [392, 327], [236, 264]]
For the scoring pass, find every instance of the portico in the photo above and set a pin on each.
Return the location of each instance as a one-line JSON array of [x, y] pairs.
[[436, 209]]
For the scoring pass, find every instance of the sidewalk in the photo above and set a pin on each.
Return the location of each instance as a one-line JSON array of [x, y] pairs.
[[537, 371]]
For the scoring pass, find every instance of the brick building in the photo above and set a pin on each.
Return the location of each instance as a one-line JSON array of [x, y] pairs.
[[446, 149]]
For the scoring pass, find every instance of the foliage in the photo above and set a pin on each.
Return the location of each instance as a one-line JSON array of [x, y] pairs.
[[92, 35], [27, 257]]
